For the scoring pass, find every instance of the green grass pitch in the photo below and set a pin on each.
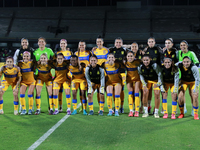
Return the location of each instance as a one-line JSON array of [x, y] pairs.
[[97, 132]]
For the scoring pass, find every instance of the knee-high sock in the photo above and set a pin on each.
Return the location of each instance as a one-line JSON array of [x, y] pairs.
[[38, 102], [74, 101], [137, 102], [90, 105], [174, 106], [130, 100], [1, 104], [22, 100], [195, 109], [68, 100], [181, 107], [109, 100], [84, 104], [51, 101], [117, 102], [55, 101], [30, 101], [16, 104], [101, 105], [164, 104]]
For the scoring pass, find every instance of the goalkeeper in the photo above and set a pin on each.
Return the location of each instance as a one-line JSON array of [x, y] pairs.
[[95, 79]]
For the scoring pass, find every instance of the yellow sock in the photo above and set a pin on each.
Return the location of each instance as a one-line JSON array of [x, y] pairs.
[[90, 105], [38, 102], [60, 97], [195, 109], [84, 104], [55, 101], [1, 104], [68, 100], [181, 107], [130, 100], [109, 100], [74, 101], [16, 104], [137, 102], [117, 102], [164, 104], [101, 105], [174, 106], [30, 101], [51, 101], [23, 102]]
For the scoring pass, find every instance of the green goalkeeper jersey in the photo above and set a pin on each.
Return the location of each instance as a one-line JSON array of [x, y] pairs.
[[190, 54], [37, 53]]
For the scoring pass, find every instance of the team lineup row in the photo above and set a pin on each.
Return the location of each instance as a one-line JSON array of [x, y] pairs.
[[103, 69]]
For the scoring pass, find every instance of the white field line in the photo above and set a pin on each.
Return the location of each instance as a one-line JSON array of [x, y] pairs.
[[48, 133]]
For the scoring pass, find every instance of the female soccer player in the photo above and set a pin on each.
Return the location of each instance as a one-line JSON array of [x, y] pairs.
[[95, 80], [189, 78], [133, 83], [44, 76], [171, 80], [181, 54], [12, 76], [113, 82], [78, 80], [169, 51], [67, 54], [150, 75], [61, 69], [27, 67], [155, 52]]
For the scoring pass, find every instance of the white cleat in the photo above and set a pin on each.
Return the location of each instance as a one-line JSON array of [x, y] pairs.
[[156, 115], [16, 112], [145, 115], [1, 112]]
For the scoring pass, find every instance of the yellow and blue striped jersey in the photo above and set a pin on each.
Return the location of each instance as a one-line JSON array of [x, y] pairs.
[[27, 71], [101, 55], [76, 73], [84, 57], [10, 75], [44, 73], [132, 72], [67, 54]]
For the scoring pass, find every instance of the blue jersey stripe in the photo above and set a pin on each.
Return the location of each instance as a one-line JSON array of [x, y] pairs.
[[26, 70], [131, 69], [10, 76], [76, 73], [61, 68], [85, 58], [112, 72], [40, 71]]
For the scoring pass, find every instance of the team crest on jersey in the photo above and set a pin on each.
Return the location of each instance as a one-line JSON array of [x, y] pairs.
[[85, 53], [106, 67], [189, 72], [30, 65], [151, 70], [147, 52], [67, 53], [104, 52], [15, 71], [114, 51], [172, 73], [96, 52], [21, 54], [173, 56], [142, 70], [98, 72], [122, 52], [155, 51], [90, 73], [163, 73]]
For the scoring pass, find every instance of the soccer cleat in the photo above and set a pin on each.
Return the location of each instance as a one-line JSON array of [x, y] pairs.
[[68, 112], [74, 112], [145, 115], [181, 116], [23, 112], [50, 112], [165, 116], [141, 110], [121, 110], [149, 109], [156, 115], [37, 112], [196, 117], [60, 109], [1, 112], [84, 112], [130, 114], [192, 113], [116, 114], [100, 113], [30, 112], [91, 112], [110, 113], [55, 112], [173, 116], [16, 112], [136, 114]]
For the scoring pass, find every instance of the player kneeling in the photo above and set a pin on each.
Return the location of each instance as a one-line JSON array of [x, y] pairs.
[[12, 76], [95, 79]]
